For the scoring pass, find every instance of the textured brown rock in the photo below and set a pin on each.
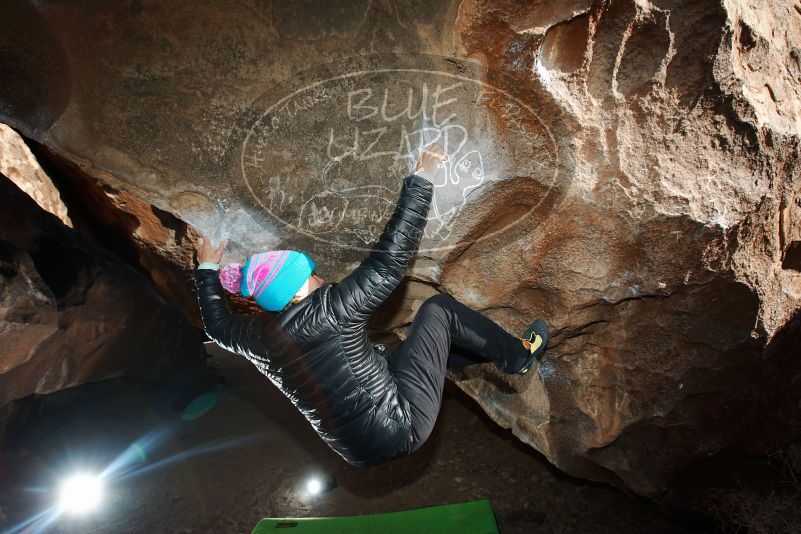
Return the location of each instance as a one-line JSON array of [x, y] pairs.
[[663, 264], [71, 313], [627, 170], [154, 242], [19, 165]]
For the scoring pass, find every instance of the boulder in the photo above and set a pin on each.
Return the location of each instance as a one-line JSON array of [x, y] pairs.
[[18, 164], [72, 313], [627, 170]]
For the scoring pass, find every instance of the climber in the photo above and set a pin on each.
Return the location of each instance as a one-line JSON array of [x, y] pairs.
[[368, 404]]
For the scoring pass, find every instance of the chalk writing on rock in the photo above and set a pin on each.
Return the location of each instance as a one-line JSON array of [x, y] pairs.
[[327, 159]]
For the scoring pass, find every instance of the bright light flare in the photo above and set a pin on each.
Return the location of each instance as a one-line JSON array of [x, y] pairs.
[[318, 484], [83, 492], [80, 493], [314, 486]]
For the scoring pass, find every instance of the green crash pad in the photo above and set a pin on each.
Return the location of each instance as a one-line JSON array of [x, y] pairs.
[[474, 517]]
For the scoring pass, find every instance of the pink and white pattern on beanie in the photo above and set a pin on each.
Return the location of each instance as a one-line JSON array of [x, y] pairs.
[[231, 277], [262, 269]]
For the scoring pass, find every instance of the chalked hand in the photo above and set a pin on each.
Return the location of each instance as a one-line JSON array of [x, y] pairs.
[[430, 161], [206, 252]]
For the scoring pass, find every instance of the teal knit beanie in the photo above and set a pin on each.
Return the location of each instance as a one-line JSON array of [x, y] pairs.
[[272, 278]]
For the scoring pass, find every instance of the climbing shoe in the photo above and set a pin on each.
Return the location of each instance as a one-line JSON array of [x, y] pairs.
[[534, 340]]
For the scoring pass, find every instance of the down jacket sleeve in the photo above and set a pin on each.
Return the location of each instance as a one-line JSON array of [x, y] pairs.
[[357, 296], [228, 330]]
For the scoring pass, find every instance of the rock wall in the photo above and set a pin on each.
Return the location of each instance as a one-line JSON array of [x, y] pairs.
[[157, 244], [72, 313], [18, 164], [665, 264], [628, 170]]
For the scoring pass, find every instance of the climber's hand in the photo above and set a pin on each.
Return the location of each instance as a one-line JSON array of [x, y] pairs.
[[207, 252], [430, 161]]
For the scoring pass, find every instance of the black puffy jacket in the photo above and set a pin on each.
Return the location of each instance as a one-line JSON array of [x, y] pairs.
[[317, 352]]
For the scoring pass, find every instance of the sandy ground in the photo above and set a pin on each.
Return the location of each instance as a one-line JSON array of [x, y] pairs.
[[246, 454]]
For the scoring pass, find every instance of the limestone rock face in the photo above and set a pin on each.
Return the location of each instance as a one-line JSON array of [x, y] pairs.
[[627, 170], [71, 313]]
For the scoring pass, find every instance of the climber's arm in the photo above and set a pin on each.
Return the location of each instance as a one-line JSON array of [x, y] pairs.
[[359, 294], [228, 330]]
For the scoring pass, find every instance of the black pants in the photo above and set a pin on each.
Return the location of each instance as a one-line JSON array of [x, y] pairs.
[[442, 327]]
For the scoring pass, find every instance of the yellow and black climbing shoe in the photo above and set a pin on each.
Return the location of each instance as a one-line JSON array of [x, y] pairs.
[[535, 340]]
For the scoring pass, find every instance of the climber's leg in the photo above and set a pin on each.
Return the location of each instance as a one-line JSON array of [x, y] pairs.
[[419, 362], [458, 359]]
